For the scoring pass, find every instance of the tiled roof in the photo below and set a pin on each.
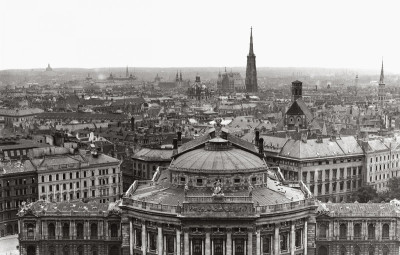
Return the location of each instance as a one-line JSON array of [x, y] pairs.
[[358, 209], [81, 116], [153, 154], [225, 160], [15, 167], [300, 108]]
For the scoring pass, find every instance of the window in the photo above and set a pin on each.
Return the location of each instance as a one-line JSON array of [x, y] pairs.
[[343, 231], [323, 229], [57, 177], [183, 179], [42, 178], [371, 250], [266, 244], [357, 250], [197, 246], [84, 184], [79, 231], [152, 241], [50, 188], [31, 231], [51, 231], [93, 231], [114, 230], [357, 231], [50, 178], [342, 250], [385, 231], [298, 238], [43, 189], [371, 231], [218, 246], [65, 230], [93, 193], [284, 241], [70, 175], [77, 175]]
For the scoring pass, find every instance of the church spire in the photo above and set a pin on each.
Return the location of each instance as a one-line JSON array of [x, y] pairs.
[[382, 75], [126, 72], [251, 52]]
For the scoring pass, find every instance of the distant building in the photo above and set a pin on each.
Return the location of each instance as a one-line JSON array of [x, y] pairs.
[[19, 117], [48, 68], [147, 160], [230, 82], [381, 89], [70, 227], [199, 91], [251, 70]]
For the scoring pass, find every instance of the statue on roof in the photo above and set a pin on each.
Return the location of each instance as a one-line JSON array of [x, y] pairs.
[[218, 189]]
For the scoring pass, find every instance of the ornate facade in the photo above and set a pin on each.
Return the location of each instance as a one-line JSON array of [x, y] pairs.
[[357, 229], [70, 228], [199, 91], [216, 198]]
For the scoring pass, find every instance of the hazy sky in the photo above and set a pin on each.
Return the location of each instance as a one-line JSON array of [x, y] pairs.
[[179, 33]]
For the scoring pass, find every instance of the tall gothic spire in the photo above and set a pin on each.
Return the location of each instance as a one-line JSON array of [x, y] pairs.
[[382, 75], [251, 42], [127, 72]]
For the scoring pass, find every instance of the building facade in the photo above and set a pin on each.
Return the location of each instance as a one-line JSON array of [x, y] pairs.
[[73, 227], [357, 229], [64, 176], [216, 198]]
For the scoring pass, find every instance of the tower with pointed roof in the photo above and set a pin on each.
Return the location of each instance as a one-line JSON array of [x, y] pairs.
[[381, 89], [127, 72], [251, 71]]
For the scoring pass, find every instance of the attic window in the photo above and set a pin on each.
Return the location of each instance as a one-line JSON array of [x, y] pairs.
[[183, 179], [236, 180], [199, 182]]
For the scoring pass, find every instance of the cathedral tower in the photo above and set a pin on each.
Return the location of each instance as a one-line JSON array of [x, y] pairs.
[[381, 89], [251, 71]]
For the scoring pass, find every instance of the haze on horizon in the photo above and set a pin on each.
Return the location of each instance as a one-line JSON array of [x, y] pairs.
[[179, 33]]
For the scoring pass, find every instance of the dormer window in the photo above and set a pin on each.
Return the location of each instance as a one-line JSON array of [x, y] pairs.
[[236, 180], [199, 182]]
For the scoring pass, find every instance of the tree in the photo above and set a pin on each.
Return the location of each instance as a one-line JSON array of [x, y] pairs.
[[394, 188], [365, 194]]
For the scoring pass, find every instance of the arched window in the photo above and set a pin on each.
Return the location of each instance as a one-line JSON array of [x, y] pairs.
[[65, 231], [343, 231], [10, 229], [138, 238], [31, 250], [298, 238], [284, 241], [93, 231], [322, 250], [371, 250], [114, 230], [65, 250], [80, 250], [114, 250], [385, 231], [170, 244], [52, 231], [79, 231], [342, 250], [371, 231], [266, 244], [385, 250], [31, 230], [357, 250], [357, 231], [323, 229]]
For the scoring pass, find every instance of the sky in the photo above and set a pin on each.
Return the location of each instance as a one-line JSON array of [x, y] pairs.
[[185, 33]]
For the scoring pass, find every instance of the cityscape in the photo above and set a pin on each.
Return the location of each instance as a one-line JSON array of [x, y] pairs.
[[166, 159]]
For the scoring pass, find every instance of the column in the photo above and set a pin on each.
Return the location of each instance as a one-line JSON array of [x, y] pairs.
[[292, 239], [258, 243], [229, 242], [250, 242], [178, 242], [186, 243], [160, 241], [364, 229], [144, 238], [208, 243], [305, 238], [86, 230], [276, 240], [131, 242], [330, 231]]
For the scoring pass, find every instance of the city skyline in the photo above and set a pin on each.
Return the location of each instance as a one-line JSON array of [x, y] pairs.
[[177, 33]]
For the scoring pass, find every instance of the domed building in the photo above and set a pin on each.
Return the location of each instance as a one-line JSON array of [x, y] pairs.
[[217, 197], [199, 91]]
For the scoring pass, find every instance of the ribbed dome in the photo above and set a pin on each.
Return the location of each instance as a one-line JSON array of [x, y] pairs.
[[234, 159]]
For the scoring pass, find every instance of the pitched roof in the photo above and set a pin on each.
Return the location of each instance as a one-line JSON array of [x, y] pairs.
[[300, 108]]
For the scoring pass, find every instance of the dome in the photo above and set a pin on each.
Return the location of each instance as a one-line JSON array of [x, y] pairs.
[[230, 160]]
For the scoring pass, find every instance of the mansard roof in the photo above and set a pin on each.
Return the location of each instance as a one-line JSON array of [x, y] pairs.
[[300, 108]]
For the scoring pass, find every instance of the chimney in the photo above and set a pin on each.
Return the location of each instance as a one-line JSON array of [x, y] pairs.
[[175, 143], [257, 137], [132, 124], [261, 146], [179, 137]]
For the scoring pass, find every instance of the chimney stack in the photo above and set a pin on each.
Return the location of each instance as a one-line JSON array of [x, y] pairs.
[[179, 136], [175, 143], [261, 146], [132, 124], [257, 137]]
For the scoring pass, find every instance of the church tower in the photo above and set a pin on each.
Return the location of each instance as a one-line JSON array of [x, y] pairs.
[[381, 89], [297, 90], [251, 71], [126, 72]]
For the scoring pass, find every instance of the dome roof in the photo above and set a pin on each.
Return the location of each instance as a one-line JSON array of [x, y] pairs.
[[231, 160]]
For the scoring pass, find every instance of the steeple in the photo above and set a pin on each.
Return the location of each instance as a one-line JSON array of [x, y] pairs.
[[177, 76], [180, 76], [251, 52], [382, 75], [251, 70], [127, 72]]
